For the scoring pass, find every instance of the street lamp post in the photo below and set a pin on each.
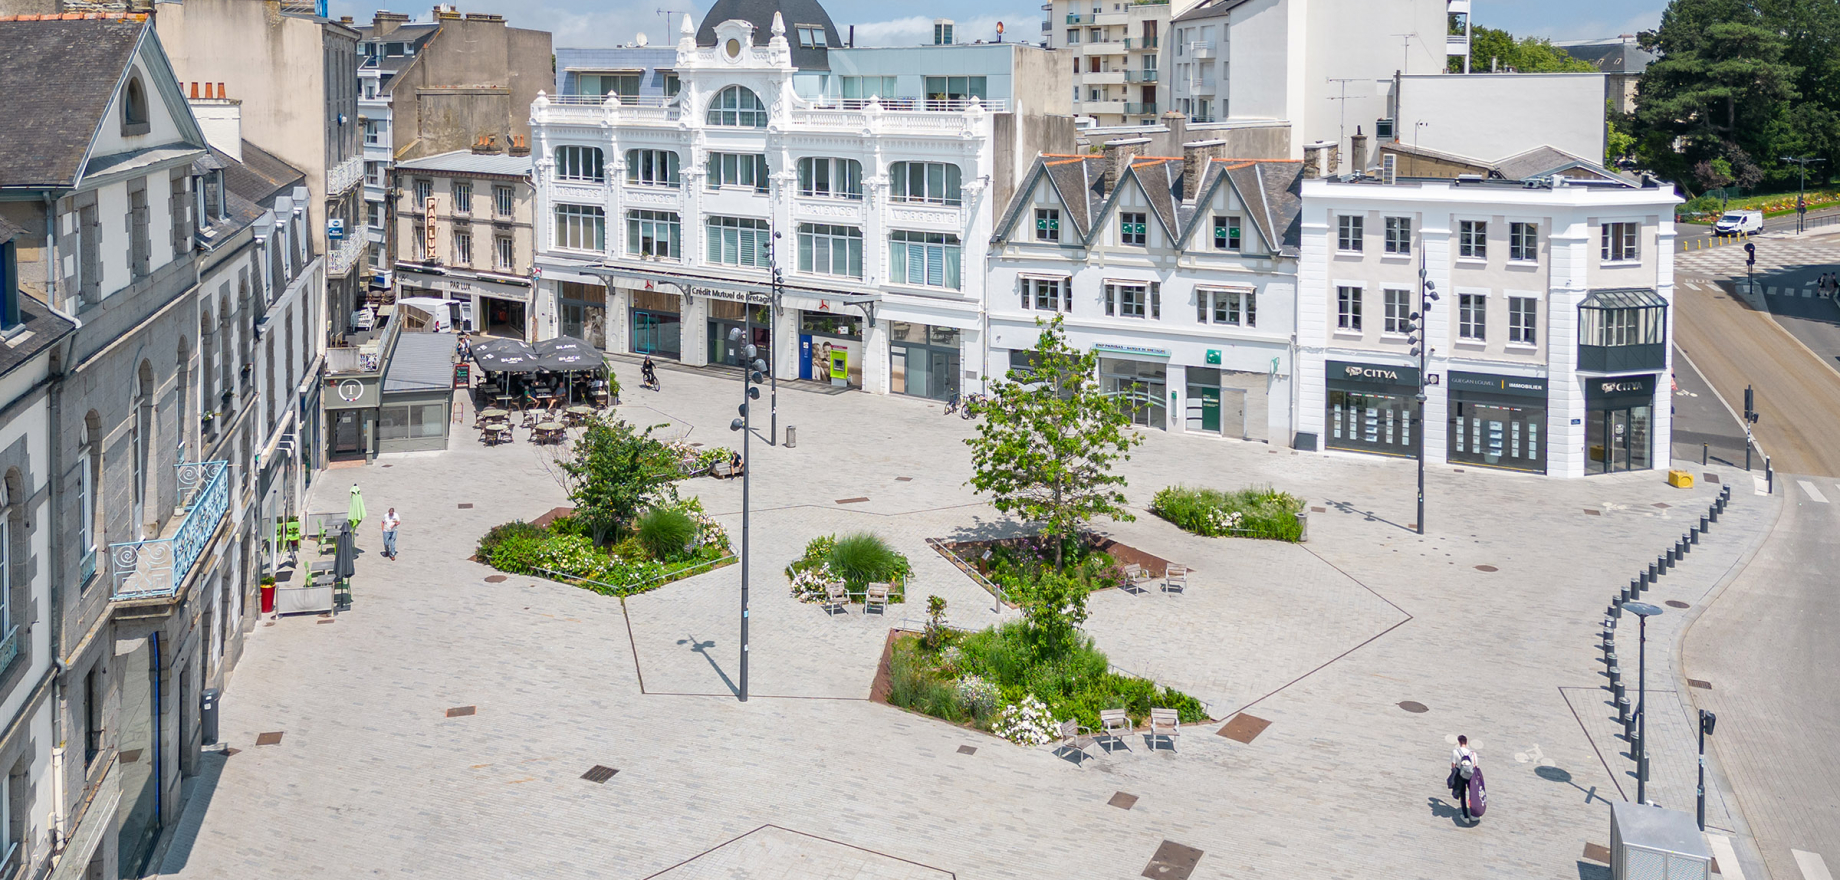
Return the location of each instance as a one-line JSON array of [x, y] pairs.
[[1706, 720], [751, 369], [1643, 611], [1421, 348], [1801, 196]]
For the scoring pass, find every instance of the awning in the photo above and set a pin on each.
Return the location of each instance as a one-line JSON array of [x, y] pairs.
[[562, 354]]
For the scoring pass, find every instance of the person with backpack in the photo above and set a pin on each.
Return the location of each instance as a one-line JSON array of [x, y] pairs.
[[1463, 768]]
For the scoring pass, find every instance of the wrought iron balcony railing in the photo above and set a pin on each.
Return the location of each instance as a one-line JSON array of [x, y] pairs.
[[156, 568]]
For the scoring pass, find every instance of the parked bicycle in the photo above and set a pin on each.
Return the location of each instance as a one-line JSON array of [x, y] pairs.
[[971, 406]]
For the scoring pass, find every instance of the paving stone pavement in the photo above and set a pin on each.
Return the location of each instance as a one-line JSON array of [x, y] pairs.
[[1323, 640]]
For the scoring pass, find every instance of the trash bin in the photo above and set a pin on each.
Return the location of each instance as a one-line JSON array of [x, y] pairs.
[[207, 714], [1303, 526], [792, 436]]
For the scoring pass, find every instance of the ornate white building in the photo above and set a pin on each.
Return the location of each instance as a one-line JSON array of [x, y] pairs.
[[659, 220]]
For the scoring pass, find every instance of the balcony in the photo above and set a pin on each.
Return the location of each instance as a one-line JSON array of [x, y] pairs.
[[1200, 49], [1104, 47], [1202, 86], [1100, 108], [157, 568], [1147, 108], [344, 176], [1140, 76], [1076, 18], [1102, 78], [345, 254], [1140, 43], [1456, 44]]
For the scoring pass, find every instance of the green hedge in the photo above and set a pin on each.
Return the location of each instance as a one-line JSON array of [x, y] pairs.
[[1255, 512]]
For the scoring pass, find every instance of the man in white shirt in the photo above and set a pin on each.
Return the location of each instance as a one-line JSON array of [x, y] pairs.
[[390, 524], [1459, 780]]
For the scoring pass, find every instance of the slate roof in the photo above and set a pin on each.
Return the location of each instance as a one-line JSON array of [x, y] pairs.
[[1269, 188], [1544, 161], [1610, 56], [760, 13], [43, 325], [250, 186], [58, 80]]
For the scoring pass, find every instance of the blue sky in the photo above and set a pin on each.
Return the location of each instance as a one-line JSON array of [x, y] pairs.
[[878, 22]]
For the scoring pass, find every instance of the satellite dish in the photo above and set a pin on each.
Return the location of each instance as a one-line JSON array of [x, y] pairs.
[[641, 41]]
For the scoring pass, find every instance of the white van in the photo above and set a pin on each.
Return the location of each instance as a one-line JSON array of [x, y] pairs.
[[1739, 223]]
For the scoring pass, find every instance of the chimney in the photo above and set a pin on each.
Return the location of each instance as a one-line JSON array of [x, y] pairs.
[[1176, 126], [221, 121], [345, 20], [1357, 147], [519, 146], [1320, 159], [485, 17], [1119, 154], [385, 23], [1195, 158]]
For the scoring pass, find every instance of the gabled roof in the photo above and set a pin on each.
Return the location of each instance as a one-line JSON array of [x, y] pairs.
[[1615, 55], [250, 186], [58, 80], [1215, 9], [1269, 189], [1545, 161]]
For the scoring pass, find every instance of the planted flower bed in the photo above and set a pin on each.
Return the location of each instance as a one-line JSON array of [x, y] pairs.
[[857, 560], [1018, 564], [1256, 512], [665, 543]]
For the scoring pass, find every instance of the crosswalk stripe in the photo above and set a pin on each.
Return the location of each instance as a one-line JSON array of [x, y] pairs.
[[1726, 856], [1759, 486], [1770, 291], [1807, 293], [1812, 491], [1813, 868]]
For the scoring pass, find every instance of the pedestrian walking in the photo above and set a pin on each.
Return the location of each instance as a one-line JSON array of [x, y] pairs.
[[1463, 767], [391, 522]]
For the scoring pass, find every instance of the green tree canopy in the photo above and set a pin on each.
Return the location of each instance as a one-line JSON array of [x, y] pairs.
[[1490, 48], [616, 471], [1049, 439]]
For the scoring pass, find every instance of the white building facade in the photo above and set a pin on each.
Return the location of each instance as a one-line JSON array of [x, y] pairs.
[[658, 220], [1179, 272], [1549, 340]]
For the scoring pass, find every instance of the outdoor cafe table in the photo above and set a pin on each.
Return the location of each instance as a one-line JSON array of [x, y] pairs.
[[550, 430], [580, 412]]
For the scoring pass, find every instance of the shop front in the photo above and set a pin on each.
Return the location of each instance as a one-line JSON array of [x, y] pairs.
[[923, 360], [583, 310], [657, 324], [726, 315], [831, 348], [417, 394], [1372, 408], [351, 404], [1138, 378], [498, 316], [1618, 423], [1497, 421]]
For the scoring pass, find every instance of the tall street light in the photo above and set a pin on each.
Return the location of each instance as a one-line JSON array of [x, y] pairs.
[[1801, 204], [752, 372], [1421, 348], [1706, 720], [1644, 611]]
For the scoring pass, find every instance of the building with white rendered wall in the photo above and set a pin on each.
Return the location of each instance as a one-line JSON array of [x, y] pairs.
[[1549, 341], [655, 218]]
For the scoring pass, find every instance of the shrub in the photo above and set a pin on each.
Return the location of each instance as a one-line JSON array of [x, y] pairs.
[[1027, 722], [517, 554], [666, 532], [1254, 512], [864, 558], [499, 533], [568, 525]]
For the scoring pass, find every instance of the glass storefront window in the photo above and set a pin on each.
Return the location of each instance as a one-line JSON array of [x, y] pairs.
[[1140, 387], [830, 325], [923, 360], [1617, 439], [1498, 435], [1372, 422]]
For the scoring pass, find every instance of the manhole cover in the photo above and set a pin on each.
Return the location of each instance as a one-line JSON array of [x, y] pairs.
[[1711, 478], [1487, 568], [495, 579], [967, 750], [1458, 470], [851, 500], [1122, 801], [1244, 728], [599, 773], [389, 465], [467, 506], [1589, 512], [325, 620], [269, 739], [1414, 707], [1699, 683], [459, 711], [1676, 603], [1173, 861], [1319, 510]]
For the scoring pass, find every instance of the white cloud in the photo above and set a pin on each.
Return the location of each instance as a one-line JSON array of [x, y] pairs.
[[917, 30]]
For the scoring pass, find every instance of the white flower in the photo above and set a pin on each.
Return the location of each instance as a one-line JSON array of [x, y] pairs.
[[977, 694], [1027, 723]]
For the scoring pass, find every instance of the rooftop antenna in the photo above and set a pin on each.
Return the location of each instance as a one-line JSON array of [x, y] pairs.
[[1343, 98], [667, 13], [1408, 55]]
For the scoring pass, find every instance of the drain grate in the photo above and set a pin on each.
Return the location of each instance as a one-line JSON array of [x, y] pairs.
[[967, 750], [1414, 707], [1173, 861], [272, 738], [325, 620], [130, 756], [1122, 801], [461, 711], [851, 500], [1700, 683], [1711, 478], [903, 479], [495, 579], [599, 773], [1487, 568], [1596, 852], [1676, 603], [1589, 512], [467, 506], [1244, 728], [1319, 510]]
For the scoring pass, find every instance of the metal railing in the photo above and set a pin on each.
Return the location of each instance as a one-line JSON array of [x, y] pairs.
[[349, 250], [1201, 49], [970, 571], [624, 100], [9, 649], [1147, 108], [1140, 76], [157, 568], [344, 175]]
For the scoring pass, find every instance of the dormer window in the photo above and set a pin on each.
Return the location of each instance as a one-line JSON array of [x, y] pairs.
[[811, 36], [134, 107]]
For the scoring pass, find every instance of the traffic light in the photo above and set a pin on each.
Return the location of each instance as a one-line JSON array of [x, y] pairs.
[[1750, 253]]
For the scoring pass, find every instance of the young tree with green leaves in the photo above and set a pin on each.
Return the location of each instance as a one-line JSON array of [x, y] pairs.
[[1049, 439], [615, 472], [1491, 50]]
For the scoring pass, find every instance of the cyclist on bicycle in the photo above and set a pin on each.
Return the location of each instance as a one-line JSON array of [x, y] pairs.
[[648, 373]]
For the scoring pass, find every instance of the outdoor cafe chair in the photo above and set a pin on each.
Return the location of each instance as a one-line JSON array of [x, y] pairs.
[[1076, 738], [1164, 723], [837, 596], [1115, 724], [1175, 578], [877, 598]]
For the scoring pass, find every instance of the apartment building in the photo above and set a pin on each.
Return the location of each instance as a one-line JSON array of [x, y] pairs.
[[385, 47], [466, 236], [656, 220], [1115, 52], [1179, 271]]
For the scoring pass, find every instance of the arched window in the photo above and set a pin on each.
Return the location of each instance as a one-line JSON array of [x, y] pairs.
[[89, 476], [737, 107], [134, 107], [184, 427]]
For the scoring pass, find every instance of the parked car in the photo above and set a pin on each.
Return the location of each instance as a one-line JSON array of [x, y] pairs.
[[1739, 223]]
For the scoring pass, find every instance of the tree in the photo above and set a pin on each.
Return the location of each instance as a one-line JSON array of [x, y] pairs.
[[614, 472], [1050, 436], [1491, 49], [1618, 141], [1715, 91]]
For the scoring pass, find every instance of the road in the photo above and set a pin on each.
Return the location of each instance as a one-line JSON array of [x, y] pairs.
[[1700, 417], [1733, 344], [1767, 647], [1685, 232]]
